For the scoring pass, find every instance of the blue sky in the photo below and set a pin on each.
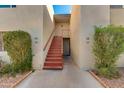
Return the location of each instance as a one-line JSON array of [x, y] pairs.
[[62, 9]]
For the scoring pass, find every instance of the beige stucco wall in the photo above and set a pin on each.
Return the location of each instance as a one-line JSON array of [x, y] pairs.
[[48, 23], [91, 15], [48, 28], [62, 29], [75, 33], [117, 16], [84, 19], [27, 18]]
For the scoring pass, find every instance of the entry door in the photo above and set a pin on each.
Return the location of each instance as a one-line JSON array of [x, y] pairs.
[[66, 46]]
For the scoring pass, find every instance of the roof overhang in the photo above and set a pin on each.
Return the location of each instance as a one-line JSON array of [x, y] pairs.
[[62, 18]]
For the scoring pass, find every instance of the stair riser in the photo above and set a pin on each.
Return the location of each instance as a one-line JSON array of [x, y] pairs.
[[54, 52], [55, 49], [56, 40], [51, 64], [54, 60], [52, 68], [56, 44], [54, 55]]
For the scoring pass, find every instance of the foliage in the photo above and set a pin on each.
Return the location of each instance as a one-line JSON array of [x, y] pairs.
[[107, 47], [18, 46], [6, 69]]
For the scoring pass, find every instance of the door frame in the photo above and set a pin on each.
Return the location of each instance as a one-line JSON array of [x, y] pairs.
[[69, 46]]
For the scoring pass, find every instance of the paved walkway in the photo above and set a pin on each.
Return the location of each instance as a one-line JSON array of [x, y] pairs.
[[69, 77]]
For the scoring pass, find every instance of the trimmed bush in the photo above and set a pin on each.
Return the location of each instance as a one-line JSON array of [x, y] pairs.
[[108, 45], [18, 46]]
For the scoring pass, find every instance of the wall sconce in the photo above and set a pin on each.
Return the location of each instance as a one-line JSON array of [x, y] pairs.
[[36, 40], [87, 40]]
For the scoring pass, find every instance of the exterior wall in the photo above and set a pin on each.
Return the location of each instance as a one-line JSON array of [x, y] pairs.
[[48, 28], [117, 16], [75, 33], [91, 15], [62, 29], [82, 29], [28, 18]]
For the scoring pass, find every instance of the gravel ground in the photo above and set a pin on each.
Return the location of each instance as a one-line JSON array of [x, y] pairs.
[[9, 81], [114, 83]]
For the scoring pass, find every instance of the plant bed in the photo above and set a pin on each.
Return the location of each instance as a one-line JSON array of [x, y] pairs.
[[18, 45], [110, 83], [11, 82]]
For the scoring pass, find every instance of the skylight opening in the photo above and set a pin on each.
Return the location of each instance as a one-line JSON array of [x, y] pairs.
[[62, 9]]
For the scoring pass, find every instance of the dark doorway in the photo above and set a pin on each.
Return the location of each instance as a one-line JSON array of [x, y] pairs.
[[66, 46]]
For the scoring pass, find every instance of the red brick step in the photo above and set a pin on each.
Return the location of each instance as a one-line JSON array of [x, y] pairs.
[[53, 67], [54, 55], [52, 64], [54, 59]]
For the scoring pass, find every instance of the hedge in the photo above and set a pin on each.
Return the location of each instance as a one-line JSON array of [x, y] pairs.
[[107, 47], [18, 46]]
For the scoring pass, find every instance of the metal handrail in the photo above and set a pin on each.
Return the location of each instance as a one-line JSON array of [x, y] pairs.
[[48, 41]]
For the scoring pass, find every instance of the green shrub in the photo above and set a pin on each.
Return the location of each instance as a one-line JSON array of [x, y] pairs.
[[6, 69], [18, 46], [107, 47]]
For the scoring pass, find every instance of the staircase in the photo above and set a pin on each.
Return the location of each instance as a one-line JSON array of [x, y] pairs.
[[54, 59]]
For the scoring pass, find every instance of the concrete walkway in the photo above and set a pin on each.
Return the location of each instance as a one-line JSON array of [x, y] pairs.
[[70, 77]]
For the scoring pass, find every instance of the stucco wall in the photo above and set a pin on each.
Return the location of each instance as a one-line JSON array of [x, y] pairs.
[[117, 16], [83, 20], [91, 15], [48, 24], [75, 33], [48, 28], [28, 18], [62, 29]]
